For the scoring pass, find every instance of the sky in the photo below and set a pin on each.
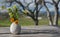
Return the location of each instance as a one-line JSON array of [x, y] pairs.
[[51, 7]]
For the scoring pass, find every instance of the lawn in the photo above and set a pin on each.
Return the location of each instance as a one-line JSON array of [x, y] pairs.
[[24, 22]]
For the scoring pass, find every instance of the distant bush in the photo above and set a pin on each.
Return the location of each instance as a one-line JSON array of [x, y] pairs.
[[4, 16]]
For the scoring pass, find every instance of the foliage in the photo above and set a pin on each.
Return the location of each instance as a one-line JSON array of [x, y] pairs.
[[3, 7], [13, 13]]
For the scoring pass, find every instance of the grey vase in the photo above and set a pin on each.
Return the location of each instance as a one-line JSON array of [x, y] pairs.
[[15, 28]]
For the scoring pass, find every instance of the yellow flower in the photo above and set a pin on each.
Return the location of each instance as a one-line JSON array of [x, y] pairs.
[[16, 21], [12, 19]]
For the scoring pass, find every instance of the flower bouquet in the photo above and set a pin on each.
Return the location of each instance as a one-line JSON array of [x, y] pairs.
[[13, 13]]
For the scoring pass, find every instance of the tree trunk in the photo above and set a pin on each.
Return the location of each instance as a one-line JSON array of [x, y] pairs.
[[49, 16], [36, 22], [55, 22], [36, 17]]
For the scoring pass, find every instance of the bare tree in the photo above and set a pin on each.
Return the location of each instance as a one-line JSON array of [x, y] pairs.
[[55, 3], [30, 13], [36, 11], [43, 3], [56, 8], [36, 18]]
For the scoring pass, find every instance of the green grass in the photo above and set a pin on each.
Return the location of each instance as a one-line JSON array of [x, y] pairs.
[[4, 23], [25, 22]]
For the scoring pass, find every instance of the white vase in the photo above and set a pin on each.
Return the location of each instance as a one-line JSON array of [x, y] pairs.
[[15, 28]]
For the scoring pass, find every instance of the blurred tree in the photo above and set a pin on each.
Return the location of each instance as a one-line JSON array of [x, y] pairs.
[[56, 8], [26, 10], [34, 14], [56, 3], [43, 3]]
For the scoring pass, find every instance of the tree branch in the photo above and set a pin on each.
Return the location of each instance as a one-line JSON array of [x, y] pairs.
[[29, 4], [20, 4], [40, 8], [49, 3]]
